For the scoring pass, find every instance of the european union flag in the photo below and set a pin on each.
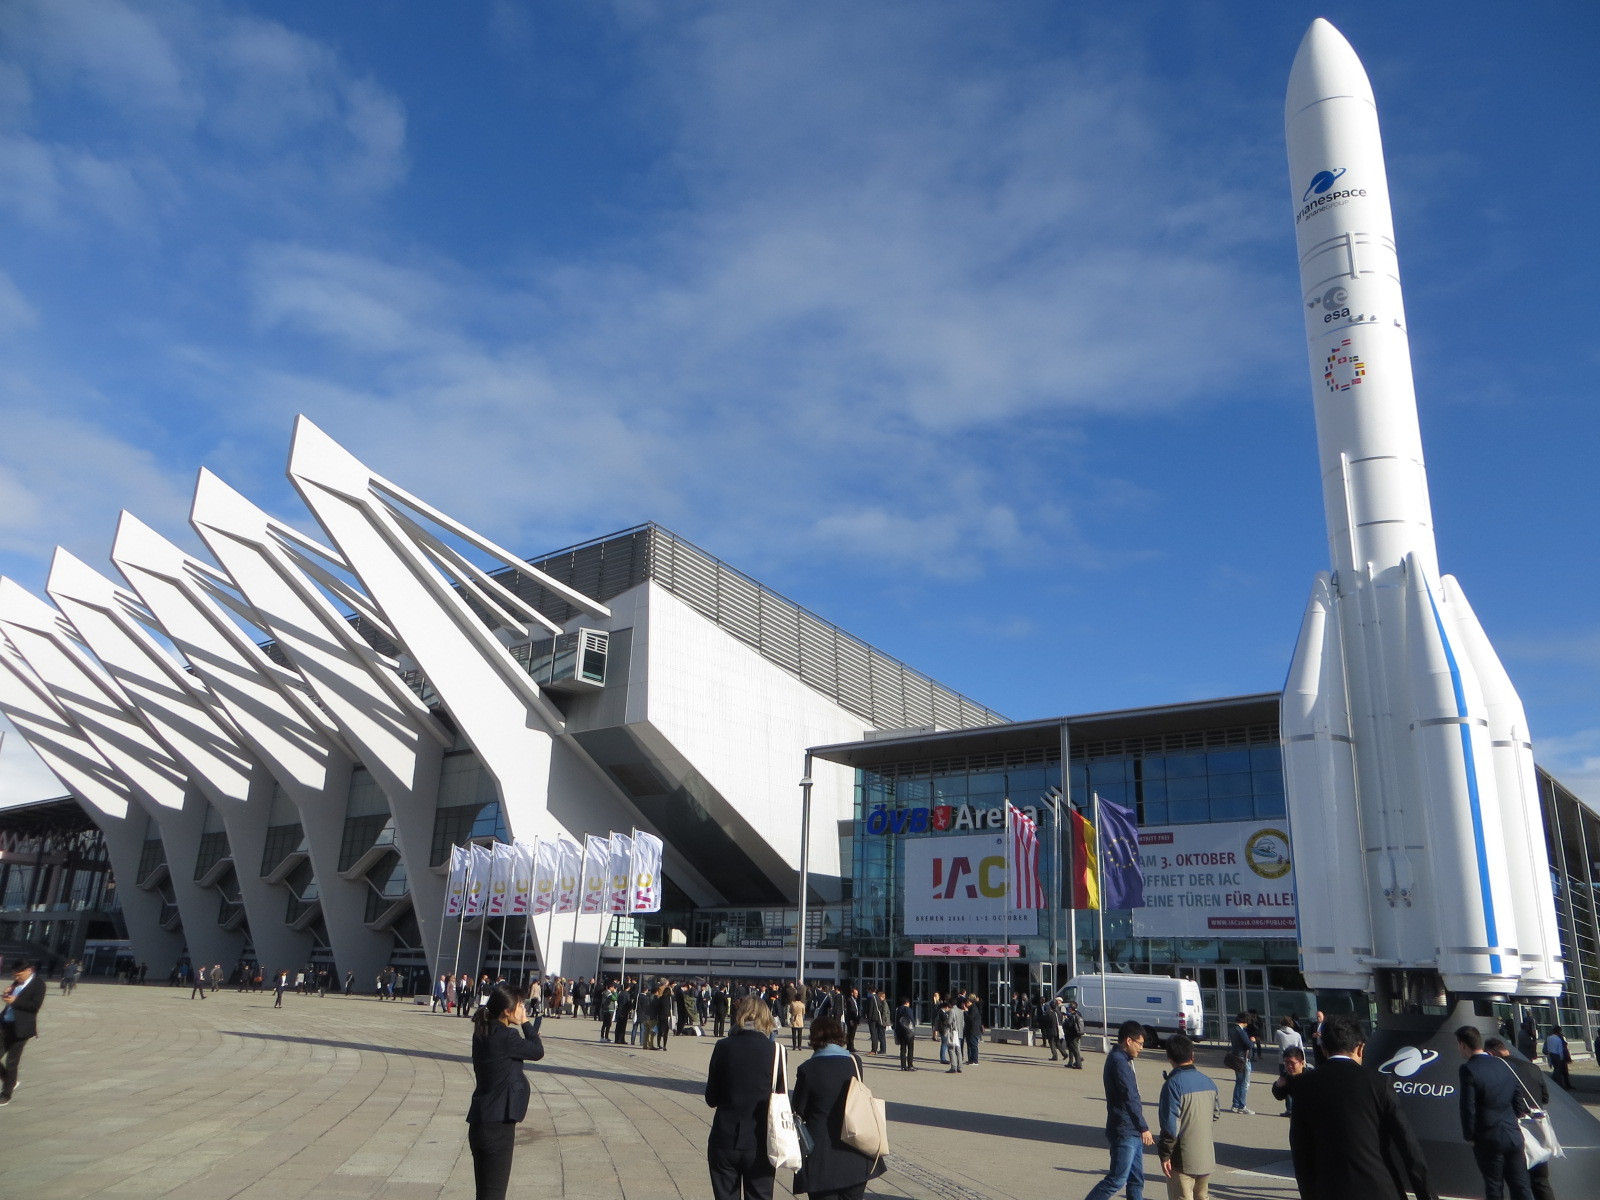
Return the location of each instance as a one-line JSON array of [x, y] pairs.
[[1121, 876]]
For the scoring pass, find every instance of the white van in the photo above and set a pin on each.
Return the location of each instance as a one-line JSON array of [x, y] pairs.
[[1158, 1002]]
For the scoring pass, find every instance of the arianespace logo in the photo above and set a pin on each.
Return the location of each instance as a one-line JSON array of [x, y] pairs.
[[1320, 194], [1321, 182]]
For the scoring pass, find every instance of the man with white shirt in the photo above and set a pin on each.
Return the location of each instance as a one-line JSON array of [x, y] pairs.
[[18, 1023]]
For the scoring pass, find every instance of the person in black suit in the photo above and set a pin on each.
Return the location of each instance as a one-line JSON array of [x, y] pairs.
[[738, 1086], [502, 1040], [833, 1170], [18, 1023], [905, 1035], [1347, 1136], [1491, 1100], [1537, 1092]]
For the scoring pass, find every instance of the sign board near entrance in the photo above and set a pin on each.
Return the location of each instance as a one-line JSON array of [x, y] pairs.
[[957, 886], [1234, 879], [964, 950]]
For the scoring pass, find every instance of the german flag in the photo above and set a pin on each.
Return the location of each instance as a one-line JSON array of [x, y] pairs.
[[1085, 870]]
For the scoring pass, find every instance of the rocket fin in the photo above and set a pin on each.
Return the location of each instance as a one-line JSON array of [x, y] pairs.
[[1324, 816], [1521, 820], [1471, 901]]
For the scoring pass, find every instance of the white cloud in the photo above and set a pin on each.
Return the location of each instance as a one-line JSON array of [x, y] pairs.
[[181, 108], [15, 312], [885, 277], [1575, 761], [63, 480], [23, 776]]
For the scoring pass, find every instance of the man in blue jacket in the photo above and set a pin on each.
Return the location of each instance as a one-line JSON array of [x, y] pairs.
[[1125, 1125]]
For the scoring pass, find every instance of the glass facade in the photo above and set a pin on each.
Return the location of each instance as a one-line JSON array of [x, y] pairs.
[[1166, 780], [1572, 833], [469, 806]]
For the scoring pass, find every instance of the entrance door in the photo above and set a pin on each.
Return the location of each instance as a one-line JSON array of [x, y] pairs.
[[1000, 992], [1242, 988], [1227, 991]]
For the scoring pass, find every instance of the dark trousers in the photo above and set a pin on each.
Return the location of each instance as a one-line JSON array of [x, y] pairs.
[[850, 1033], [795, 1031], [1070, 1048], [605, 1027], [199, 986], [491, 1143], [10, 1057], [622, 1026], [849, 1193], [720, 1020], [907, 1055], [1500, 1161], [1539, 1177], [740, 1174]]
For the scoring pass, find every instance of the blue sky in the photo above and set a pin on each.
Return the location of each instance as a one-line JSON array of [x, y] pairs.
[[973, 327]]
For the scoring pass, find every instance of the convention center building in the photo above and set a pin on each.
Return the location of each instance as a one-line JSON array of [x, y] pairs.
[[280, 744], [271, 750]]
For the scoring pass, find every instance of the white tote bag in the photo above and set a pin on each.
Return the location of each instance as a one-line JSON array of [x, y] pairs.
[[783, 1140], [1539, 1143]]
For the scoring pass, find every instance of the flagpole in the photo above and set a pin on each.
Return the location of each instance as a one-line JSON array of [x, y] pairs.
[[438, 946], [550, 926], [1071, 867], [577, 900], [1006, 896], [605, 925], [1100, 916], [461, 923]]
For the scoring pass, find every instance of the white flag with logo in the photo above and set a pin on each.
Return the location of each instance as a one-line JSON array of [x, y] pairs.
[[596, 875], [621, 872], [455, 894], [478, 880], [646, 873], [547, 865], [569, 876], [522, 864], [500, 880]]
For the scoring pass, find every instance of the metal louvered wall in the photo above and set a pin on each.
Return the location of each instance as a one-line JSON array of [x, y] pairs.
[[881, 690]]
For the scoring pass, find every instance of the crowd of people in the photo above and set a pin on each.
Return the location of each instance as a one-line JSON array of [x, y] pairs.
[[1348, 1137]]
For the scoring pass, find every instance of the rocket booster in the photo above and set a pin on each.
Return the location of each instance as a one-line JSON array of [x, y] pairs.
[[1409, 774]]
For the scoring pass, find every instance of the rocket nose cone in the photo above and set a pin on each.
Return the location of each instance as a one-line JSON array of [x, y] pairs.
[[1325, 66]]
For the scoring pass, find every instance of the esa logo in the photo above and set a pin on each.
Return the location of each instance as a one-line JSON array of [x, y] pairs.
[[1321, 182], [1406, 1063]]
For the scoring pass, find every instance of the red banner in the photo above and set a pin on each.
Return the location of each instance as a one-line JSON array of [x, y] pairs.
[[964, 950]]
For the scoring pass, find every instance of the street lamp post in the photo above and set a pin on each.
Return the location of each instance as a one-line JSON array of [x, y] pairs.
[[805, 874]]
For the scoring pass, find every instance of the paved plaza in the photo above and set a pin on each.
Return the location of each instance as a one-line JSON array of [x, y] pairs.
[[142, 1092]]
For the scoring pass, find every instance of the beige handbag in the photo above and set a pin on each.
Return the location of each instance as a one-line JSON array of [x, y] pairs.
[[866, 1123]]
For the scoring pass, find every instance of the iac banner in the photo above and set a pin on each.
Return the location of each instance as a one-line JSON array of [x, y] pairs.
[[1212, 881], [957, 886]]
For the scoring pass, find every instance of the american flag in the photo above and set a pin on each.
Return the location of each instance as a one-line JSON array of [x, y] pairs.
[[1028, 891]]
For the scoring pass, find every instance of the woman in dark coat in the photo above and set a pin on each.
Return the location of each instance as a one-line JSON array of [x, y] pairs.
[[739, 1087], [502, 1040], [833, 1170]]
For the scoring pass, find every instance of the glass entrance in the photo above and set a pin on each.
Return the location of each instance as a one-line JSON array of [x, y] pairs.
[[1227, 991]]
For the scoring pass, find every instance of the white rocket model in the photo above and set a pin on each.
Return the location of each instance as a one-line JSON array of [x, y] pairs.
[[1409, 771]]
